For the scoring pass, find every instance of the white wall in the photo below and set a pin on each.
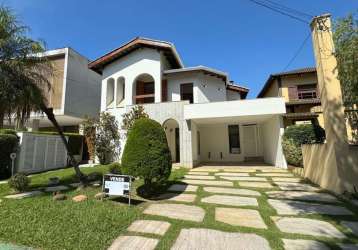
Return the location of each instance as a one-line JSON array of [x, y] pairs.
[[232, 95], [141, 61], [272, 131], [83, 88], [205, 88]]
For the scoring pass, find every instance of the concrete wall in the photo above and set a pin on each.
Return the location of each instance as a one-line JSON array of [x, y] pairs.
[[83, 88], [318, 167], [272, 131]]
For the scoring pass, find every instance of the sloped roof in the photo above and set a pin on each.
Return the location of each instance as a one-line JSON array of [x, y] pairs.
[[138, 42], [206, 70], [285, 73]]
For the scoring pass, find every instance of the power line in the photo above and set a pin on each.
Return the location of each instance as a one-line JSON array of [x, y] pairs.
[[298, 51], [288, 9], [280, 10]]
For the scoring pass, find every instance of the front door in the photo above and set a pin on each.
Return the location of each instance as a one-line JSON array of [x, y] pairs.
[[250, 140]]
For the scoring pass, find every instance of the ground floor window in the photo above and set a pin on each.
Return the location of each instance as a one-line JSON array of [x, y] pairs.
[[234, 139]]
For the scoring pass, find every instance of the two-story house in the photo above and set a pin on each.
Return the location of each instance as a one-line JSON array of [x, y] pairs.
[[299, 89], [205, 115], [74, 93]]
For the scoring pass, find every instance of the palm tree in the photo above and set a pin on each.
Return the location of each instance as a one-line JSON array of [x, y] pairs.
[[25, 73]]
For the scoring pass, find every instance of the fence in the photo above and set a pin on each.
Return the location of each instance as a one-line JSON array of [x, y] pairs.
[[39, 153]]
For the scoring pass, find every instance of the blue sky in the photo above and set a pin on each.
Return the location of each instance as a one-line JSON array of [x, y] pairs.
[[245, 40]]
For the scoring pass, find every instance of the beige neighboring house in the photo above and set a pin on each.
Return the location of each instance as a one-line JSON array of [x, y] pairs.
[[75, 92], [299, 89]]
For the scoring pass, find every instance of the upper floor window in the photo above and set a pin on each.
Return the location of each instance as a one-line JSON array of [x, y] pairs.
[[307, 91], [110, 93], [186, 92], [144, 89]]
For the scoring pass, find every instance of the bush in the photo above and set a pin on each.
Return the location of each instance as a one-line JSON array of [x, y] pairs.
[[19, 182], [8, 145], [6, 131], [146, 153], [115, 168], [296, 135]]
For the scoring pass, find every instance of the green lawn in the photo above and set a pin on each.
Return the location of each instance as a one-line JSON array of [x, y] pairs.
[[42, 223]]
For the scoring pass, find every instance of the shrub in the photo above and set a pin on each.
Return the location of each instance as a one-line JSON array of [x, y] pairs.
[[6, 131], [106, 137], [115, 168], [8, 145], [146, 153], [296, 135], [19, 182], [137, 112]]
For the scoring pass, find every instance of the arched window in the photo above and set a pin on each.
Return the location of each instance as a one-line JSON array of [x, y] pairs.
[[120, 92], [143, 89], [110, 93]]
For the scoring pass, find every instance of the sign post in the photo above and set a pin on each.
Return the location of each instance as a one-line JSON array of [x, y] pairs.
[[117, 185], [12, 157]]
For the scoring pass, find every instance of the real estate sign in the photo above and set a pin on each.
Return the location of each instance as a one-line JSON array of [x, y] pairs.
[[117, 185]]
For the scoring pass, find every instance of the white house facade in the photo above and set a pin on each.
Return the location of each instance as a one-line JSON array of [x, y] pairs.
[[205, 116]]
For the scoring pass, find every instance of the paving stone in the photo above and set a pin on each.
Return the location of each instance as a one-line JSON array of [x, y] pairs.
[[303, 245], [209, 239], [239, 178], [287, 179], [287, 207], [3, 182], [240, 170], [296, 186], [182, 188], [240, 217], [200, 177], [306, 226], [56, 188], [177, 197], [133, 242], [75, 185], [231, 174], [177, 211], [198, 173], [209, 182], [348, 246], [352, 225], [24, 195], [204, 170], [9, 246], [149, 226], [238, 191], [302, 195], [230, 200], [274, 170], [276, 175], [254, 184]]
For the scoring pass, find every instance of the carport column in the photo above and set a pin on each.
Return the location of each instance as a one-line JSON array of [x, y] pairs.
[[35, 124]]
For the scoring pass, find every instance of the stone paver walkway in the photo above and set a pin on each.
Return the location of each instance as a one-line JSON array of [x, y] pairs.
[[280, 205], [209, 239]]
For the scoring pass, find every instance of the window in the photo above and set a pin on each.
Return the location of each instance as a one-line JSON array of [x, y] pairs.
[[307, 91], [186, 92], [234, 139], [110, 93]]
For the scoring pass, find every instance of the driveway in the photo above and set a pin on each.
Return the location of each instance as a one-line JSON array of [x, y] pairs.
[[243, 207]]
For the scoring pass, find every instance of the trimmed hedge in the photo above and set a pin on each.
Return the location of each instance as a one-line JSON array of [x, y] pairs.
[[146, 153], [7, 131], [8, 145], [296, 135]]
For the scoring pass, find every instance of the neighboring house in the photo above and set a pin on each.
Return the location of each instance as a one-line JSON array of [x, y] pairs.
[[74, 94], [299, 88], [205, 116]]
